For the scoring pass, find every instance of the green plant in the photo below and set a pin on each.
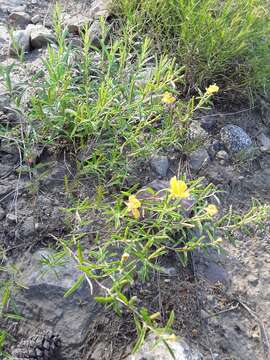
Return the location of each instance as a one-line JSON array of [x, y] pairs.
[[217, 41], [135, 230], [110, 103]]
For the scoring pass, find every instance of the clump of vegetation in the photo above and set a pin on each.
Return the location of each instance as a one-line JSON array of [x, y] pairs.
[[222, 41], [135, 231]]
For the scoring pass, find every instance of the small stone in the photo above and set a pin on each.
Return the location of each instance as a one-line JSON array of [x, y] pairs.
[[235, 139], [196, 132], [95, 33], [20, 19], [40, 36], [11, 218], [160, 164], [28, 227], [35, 19], [20, 42], [214, 147], [198, 159], [2, 213], [222, 155], [265, 142], [76, 23], [169, 271]]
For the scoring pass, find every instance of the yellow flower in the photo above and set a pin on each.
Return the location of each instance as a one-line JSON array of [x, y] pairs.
[[133, 205], [125, 257], [168, 98], [172, 337], [178, 188], [211, 209], [212, 89]]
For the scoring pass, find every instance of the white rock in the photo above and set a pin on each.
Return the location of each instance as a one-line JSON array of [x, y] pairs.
[[180, 348]]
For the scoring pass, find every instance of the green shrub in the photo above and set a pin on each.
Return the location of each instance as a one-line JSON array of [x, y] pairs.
[[226, 42]]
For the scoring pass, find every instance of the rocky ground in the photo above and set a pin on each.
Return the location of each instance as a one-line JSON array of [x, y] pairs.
[[221, 301]]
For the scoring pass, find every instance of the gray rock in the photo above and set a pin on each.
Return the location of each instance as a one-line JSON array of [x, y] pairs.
[[20, 19], [95, 33], [2, 213], [196, 132], [76, 23], [151, 351], [20, 42], [160, 164], [40, 36], [101, 8], [210, 266], [35, 19], [198, 159], [9, 147], [265, 142], [235, 139], [43, 297]]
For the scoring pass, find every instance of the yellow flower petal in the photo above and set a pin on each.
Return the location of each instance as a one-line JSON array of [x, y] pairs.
[[168, 98], [212, 89], [178, 188], [133, 205], [211, 210], [125, 257], [135, 213]]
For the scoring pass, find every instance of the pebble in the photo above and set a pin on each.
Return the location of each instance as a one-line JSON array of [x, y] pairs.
[[265, 142], [11, 218], [160, 164], [28, 227], [196, 132], [222, 156], [198, 159], [35, 19], [235, 139]]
